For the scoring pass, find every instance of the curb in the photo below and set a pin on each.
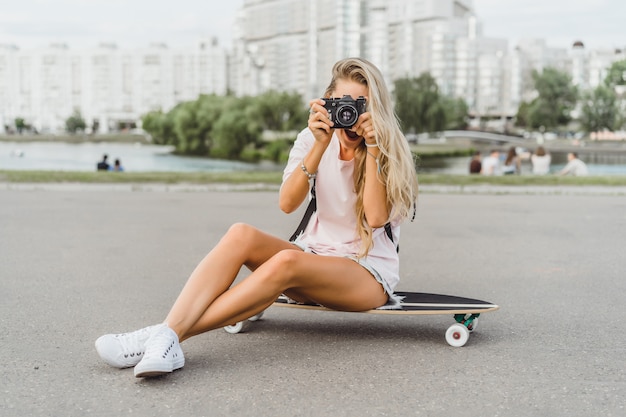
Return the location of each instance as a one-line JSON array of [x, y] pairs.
[[224, 187]]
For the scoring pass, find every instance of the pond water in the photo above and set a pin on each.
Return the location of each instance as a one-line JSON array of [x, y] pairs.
[[54, 156]]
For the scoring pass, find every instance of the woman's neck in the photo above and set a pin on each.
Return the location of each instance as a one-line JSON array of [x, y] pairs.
[[345, 153]]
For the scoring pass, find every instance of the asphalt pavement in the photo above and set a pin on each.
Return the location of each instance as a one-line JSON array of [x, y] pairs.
[[78, 262]]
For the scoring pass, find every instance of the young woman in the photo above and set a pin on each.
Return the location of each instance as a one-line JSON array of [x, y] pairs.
[[364, 178], [512, 163], [541, 161]]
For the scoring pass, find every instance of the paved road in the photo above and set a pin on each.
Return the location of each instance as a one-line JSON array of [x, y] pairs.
[[75, 264]]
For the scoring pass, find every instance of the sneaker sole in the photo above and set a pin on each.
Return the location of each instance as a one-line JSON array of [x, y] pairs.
[[156, 370], [148, 374]]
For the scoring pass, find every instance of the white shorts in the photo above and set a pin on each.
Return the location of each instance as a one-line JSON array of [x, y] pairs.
[[393, 301]]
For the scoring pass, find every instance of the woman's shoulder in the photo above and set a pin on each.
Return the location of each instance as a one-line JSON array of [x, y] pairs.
[[304, 139], [305, 134]]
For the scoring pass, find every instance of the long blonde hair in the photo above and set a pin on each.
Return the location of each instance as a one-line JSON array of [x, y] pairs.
[[397, 166]]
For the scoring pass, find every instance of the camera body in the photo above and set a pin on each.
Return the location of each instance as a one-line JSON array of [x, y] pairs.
[[345, 111]]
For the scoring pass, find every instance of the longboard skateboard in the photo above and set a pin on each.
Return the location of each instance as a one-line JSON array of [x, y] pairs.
[[465, 311]]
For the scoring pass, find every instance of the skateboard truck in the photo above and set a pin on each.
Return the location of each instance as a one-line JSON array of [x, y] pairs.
[[468, 320]]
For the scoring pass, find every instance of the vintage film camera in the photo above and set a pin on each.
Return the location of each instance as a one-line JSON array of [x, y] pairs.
[[344, 111]]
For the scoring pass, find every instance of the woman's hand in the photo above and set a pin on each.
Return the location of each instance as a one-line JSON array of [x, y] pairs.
[[319, 123], [365, 128]]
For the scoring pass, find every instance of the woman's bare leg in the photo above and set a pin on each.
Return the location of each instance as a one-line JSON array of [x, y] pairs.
[[241, 245], [335, 282]]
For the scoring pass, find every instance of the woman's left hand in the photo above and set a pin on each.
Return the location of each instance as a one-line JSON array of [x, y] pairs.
[[365, 128]]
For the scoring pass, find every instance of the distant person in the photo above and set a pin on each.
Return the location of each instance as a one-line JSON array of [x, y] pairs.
[[512, 163], [575, 166], [103, 165], [541, 161], [491, 164], [117, 166], [475, 165]]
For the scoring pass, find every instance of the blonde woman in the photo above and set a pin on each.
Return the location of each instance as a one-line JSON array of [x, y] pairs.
[[344, 258]]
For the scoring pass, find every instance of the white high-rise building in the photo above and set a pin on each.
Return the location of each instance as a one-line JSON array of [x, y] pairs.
[[109, 86], [599, 62], [423, 37], [480, 75], [10, 88], [290, 45], [579, 68], [287, 44], [44, 80]]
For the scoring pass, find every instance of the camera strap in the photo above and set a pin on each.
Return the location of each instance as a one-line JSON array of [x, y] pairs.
[[312, 207]]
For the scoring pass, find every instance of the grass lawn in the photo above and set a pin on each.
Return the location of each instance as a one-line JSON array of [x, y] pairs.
[[108, 177], [243, 177]]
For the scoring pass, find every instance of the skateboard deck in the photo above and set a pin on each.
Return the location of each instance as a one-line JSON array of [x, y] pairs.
[[465, 311]]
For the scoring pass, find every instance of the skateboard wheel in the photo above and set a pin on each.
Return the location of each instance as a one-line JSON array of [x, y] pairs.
[[236, 328], [457, 335], [256, 317]]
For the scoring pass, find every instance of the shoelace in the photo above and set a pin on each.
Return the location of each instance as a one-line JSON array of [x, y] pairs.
[[133, 343], [160, 344]]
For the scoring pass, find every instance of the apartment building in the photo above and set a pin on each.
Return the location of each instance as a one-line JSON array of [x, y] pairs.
[[290, 45], [108, 85]]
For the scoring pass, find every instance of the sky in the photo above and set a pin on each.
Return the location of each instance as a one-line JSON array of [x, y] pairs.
[[128, 23], [597, 23], [136, 23]]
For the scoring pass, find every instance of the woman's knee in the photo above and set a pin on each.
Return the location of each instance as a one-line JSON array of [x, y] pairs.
[[241, 233], [253, 246], [240, 229], [282, 268]]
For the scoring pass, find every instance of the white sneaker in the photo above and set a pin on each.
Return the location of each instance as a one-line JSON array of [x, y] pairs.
[[163, 354], [124, 350]]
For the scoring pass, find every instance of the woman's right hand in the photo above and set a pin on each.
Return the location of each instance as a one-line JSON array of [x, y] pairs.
[[319, 123]]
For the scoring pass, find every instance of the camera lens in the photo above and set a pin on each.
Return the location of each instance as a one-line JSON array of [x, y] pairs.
[[347, 115]]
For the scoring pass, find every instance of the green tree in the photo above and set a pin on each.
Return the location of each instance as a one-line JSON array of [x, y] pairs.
[[160, 126], [191, 139], [616, 74], [235, 129], [279, 111], [418, 104], [20, 124], [600, 110], [75, 123], [615, 77], [556, 100], [620, 121], [194, 121], [421, 108], [455, 110], [522, 116], [404, 89], [222, 126]]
